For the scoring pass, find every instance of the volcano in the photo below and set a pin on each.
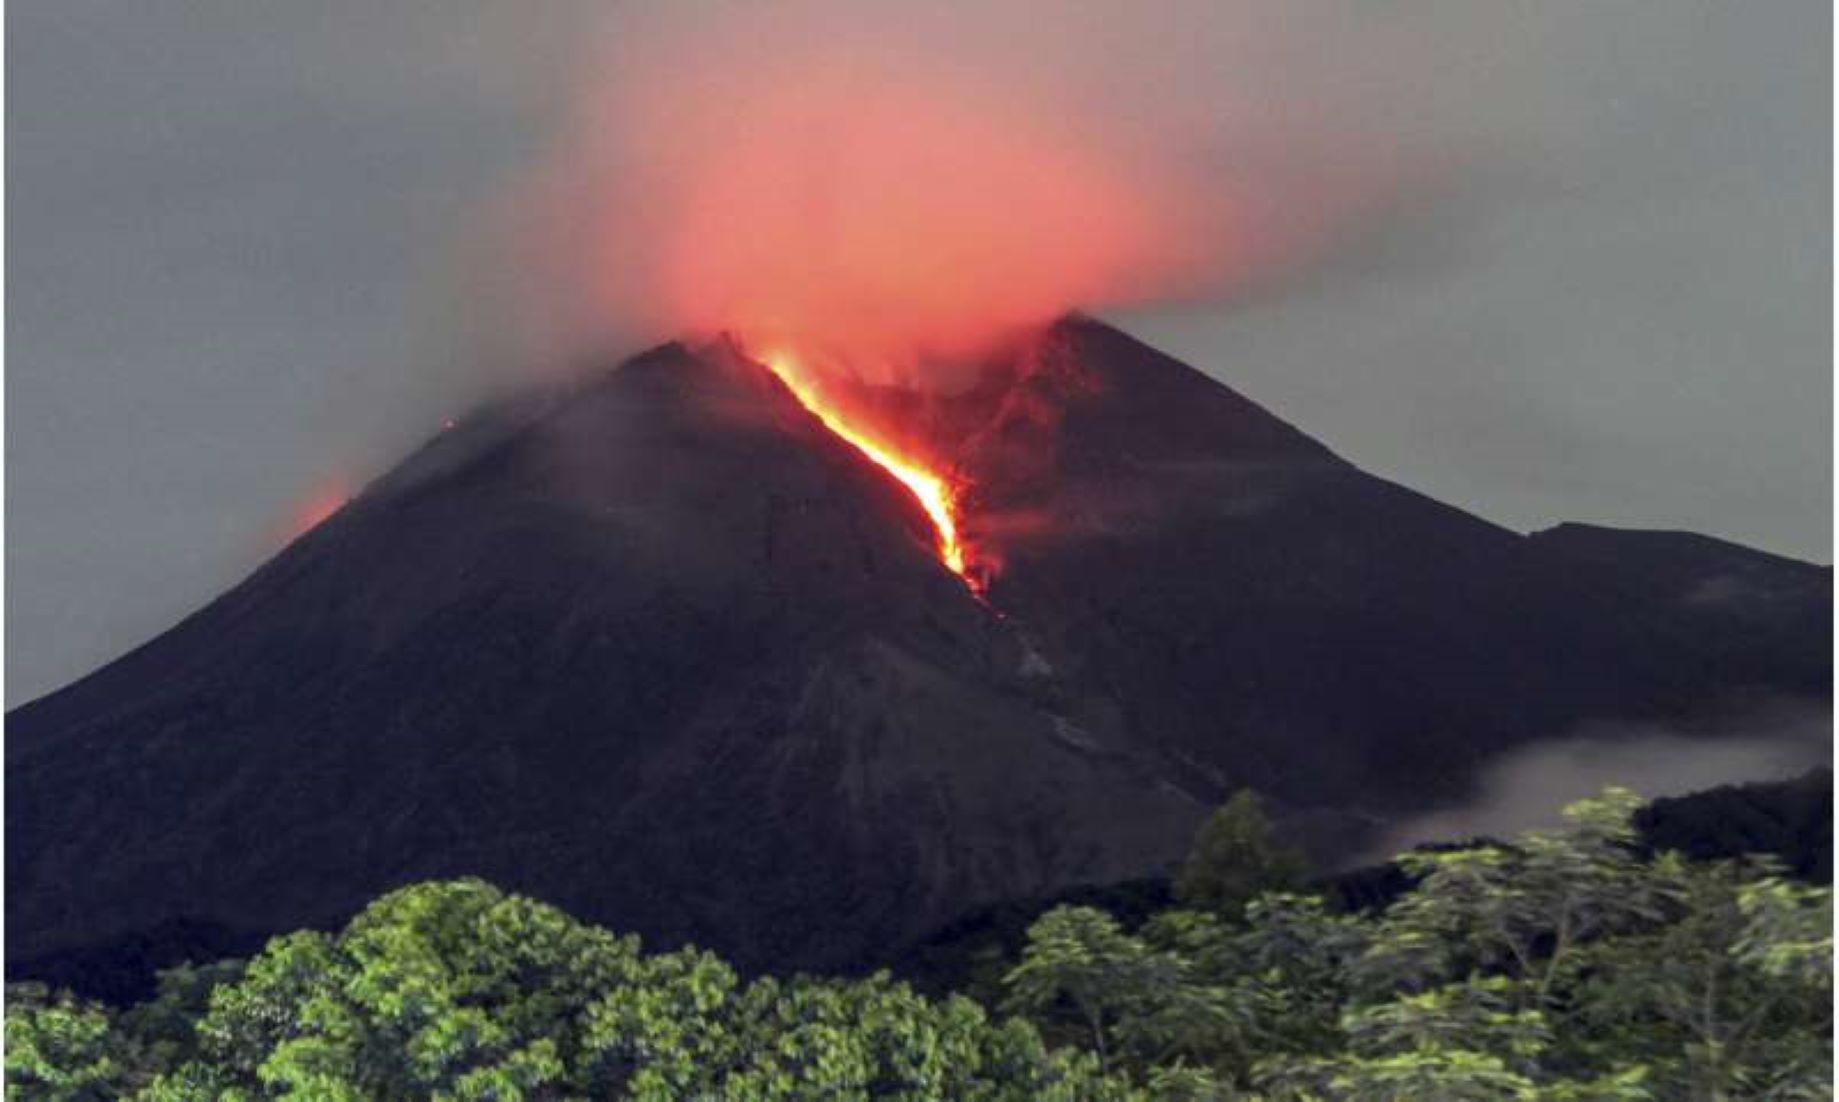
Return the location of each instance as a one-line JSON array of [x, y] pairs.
[[663, 648]]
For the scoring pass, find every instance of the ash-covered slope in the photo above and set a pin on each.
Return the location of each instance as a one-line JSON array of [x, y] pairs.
[[664, 651]]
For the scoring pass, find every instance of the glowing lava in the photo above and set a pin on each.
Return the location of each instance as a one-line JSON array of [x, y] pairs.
[[935, 493]]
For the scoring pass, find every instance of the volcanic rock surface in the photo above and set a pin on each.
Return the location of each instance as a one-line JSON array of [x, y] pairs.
[[659, 648]]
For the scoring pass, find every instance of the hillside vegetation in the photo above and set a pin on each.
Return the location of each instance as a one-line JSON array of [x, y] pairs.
[[1567, 965]]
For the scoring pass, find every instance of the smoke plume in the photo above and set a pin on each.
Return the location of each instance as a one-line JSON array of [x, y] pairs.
[[892, 188]]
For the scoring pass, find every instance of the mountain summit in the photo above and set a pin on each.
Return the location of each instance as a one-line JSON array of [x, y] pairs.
[[660, 647]]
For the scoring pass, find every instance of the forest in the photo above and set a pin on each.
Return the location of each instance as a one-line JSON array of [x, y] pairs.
[[1575, 964]]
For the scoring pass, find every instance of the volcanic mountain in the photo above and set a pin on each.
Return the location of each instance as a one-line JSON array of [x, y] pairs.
[[659, 646]]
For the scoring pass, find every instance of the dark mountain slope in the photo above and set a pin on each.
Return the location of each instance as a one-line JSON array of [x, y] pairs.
[[664, 651], [1766, 618], [1256, 607], [660, 649]]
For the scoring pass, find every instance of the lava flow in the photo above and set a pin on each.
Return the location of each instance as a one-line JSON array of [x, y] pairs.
[[935, 493]]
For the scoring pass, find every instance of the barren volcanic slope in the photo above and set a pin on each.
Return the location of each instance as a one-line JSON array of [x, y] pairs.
[[660, 648]]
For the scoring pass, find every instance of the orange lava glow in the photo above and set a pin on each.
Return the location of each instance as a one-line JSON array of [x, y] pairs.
[[327, 498], [937, 494]]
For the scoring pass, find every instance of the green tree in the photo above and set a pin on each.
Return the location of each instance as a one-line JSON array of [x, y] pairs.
[[1726, 1000], [1522, 910], [60, 1049], [1147, 1009], [1788, 930], [1234, 860], [1078, 960], [458, 991], [1563, 967]]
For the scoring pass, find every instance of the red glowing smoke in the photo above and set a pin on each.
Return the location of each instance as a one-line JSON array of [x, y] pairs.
[[877, 216], [880, 191]]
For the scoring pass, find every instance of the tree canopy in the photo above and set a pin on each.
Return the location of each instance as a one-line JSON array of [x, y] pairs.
[[459, 991], [1566, 966], [1235, 859]]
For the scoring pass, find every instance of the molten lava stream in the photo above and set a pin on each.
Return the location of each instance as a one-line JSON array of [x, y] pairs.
[[934, 492]]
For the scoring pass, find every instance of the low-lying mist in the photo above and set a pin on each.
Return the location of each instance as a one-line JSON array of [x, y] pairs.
[[1527, 788]]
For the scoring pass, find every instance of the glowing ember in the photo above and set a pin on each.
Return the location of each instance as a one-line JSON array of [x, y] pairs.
[[935, 493]]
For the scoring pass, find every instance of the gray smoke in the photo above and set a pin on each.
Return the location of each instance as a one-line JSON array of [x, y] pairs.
[[1527, 788]]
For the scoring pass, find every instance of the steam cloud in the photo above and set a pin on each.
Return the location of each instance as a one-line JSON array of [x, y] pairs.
[[1526, 789], [888, 187]]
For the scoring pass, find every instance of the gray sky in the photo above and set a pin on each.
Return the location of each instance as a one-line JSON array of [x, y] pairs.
[[242, 249]]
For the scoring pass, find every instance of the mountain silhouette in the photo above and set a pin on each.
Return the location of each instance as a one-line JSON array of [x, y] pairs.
[[659, 648]]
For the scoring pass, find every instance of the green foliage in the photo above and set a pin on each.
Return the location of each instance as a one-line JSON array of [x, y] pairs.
[[457, 991], [1723, 1001], [1787, 931], [1235, 860], [58, 1048], [1523, 909], [1561, 968]]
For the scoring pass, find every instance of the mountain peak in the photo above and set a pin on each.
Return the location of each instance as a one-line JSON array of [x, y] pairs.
[[662, 647]]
